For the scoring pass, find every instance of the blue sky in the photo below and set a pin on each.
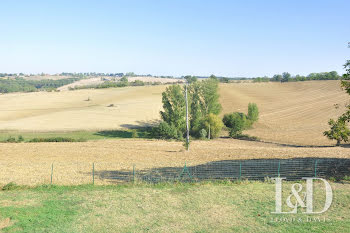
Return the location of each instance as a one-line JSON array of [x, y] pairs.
[[228, 38]]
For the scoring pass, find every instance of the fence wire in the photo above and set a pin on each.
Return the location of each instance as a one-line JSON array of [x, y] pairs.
[[114, 173]]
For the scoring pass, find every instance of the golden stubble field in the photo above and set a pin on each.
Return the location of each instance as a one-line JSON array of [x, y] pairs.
[[290, 114], [81, 109], [30, 163]]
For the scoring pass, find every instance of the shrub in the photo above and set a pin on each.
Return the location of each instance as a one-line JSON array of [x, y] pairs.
[[134, 133], [165, 131], [253, 112], [20, 138], [137, 83], [10, 140], [56, 139], [10, 186], [203, 133], [236, 123]]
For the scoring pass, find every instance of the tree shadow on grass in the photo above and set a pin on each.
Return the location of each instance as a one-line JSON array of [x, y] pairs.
[[143, 129], [256, 139], [144, 132]]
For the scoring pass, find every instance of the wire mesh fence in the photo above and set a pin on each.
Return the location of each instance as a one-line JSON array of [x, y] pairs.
[[76, 173]]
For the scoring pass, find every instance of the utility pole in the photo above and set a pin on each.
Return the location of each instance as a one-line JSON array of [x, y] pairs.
[[187, 128]]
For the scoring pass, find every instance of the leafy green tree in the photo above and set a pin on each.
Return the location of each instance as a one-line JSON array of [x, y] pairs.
[[253, 112], [210, 96], [339, 131], [196, 108], [345, 82], [276, 78], [285, 77], [174, 107], [191, 79], [213, 124]]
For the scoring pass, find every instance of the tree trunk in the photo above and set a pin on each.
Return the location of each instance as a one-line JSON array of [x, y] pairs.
[[209, 132], [338, 142]]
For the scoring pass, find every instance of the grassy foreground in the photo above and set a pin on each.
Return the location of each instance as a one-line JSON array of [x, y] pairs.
[[204, 207]]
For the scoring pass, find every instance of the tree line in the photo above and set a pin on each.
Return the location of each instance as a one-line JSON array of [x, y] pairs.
[[287, 77], [8, 85]]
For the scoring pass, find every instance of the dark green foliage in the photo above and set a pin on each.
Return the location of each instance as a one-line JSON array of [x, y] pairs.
[[166, 131], [191, 79], [286, 77], [203, 133], [339, 131], [10, 140], [10, 186], [224, 80], [203, 100], [210, 95], [13, 140], [137, 83], [253, 112], [22, 85], [346, 77], [174, 106], [20, 138], [134, 133], [56, 139], [236, 122], [196, 108]]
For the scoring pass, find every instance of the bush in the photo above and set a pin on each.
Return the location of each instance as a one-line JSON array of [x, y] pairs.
[[203, 133], [10, 140], [236, 122], [137, 83], [10, 186], [166, 131], [253, 112], [56, 139], [134, 133], [20, 138]]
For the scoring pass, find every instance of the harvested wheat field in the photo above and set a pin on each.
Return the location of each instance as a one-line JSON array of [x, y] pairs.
[[30, 163], [80, 110], [291, 113]]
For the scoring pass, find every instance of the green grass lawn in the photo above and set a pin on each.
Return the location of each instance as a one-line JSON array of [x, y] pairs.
[[202, 207]]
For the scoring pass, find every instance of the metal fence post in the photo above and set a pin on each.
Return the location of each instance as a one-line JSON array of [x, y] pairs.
[[240, 170], [279, 167], [93, 173], [51, 172], [133, 173], [315, 168]]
